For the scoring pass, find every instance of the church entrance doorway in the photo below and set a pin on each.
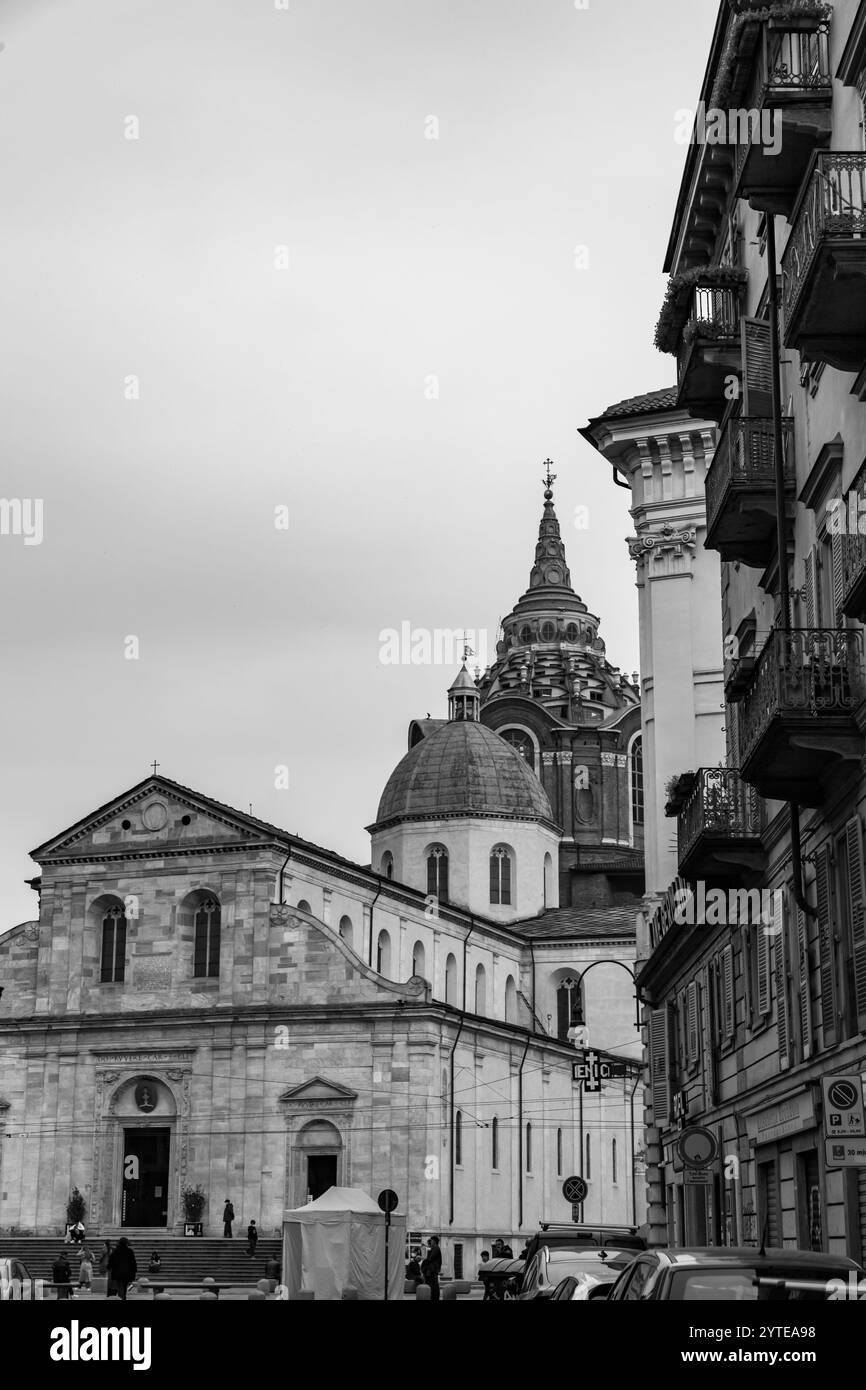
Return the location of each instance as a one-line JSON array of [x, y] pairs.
[[321, 1174], [145, 1177]]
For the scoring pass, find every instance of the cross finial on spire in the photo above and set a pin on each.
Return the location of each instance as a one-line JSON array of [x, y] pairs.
[[549, 478], [467, 650], [154, 765]]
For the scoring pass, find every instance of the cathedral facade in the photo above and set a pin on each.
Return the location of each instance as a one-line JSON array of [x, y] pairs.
[[206, 1000]]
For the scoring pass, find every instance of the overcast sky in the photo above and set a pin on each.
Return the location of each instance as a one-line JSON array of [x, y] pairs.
[[415, 265]]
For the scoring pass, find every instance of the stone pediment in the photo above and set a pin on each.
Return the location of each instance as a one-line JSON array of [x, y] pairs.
[[318, 1091], [156, 815]]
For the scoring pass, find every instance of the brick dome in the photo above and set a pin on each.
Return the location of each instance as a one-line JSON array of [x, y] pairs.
[[462, 769]]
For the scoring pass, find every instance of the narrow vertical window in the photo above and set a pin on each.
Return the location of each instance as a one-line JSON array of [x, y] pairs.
[[494, 1143], [529, 1148], [113, 946], [500, 877], [458, 1138], [206, 958]]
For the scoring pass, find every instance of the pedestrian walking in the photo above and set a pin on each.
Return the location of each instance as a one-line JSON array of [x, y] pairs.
[[252, 1237], [85, 1268], [432, 1267], [228, 1218], [61, 1273], [122, 1267]]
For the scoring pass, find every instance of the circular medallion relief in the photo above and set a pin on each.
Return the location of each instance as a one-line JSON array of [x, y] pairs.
[[155, 815], [554, 577]]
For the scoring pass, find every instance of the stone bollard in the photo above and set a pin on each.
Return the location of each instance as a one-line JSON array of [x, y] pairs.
[[257, 1294], [162, 1295], [264, 1286], [306, 1295], [349, 1294], [210, 1297], [462, 1286], [449, 1293], [422, 1293]]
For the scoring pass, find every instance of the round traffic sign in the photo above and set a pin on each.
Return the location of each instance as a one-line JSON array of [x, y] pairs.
[[387, 1200], [843, 1095], [575, 1189], [697, 1147]]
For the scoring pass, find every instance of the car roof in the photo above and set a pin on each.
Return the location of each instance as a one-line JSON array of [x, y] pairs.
[[744, 1254]]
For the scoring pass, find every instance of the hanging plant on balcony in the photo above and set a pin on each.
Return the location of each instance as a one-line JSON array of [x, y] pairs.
[[678, 789], [747, 12], [674, 312]]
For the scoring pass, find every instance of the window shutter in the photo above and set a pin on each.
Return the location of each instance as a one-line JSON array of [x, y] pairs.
[[804, 985], [825, 945], [659, 1070], [809, 586], [780, 942], [757, 367], [692, 1017], [836, 560], [764, 1000], [856, 915], [728, 991]]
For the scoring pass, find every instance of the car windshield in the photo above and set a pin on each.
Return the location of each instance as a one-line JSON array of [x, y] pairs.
[[738, 1285], [581, 1262]]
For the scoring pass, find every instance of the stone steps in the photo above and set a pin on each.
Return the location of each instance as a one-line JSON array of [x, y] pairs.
[[193, 1258]]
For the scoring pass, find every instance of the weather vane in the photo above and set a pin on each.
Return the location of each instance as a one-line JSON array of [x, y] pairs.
[[549, 478], [467, 650]]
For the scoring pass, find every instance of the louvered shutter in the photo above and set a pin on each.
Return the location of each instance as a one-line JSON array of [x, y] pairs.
[[757, 367], [728, 991], [659, 1068], [780, 967], [709, 1069], [764, 1000], [692, 1017], [857, 915], [809, 586], [825, 946], [837, 562], [804, 985]]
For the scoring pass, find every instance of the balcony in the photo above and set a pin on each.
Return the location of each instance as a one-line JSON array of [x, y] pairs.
[[741, 489], [797, 724], [824, 265], [710, 350], [786, 116], [718, 831]]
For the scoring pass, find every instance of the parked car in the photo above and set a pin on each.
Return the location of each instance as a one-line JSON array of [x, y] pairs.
[[726, 1273], [590, 1267], [575, 1237], [548, 1269]]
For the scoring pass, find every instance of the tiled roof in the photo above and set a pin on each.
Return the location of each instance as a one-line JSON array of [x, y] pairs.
[[626, 861], [570, 922], [642, 405]]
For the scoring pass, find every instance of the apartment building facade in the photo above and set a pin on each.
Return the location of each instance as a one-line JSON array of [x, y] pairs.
[[755, 986]]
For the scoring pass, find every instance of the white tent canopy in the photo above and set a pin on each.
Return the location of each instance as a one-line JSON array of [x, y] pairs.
[[337, 1242]]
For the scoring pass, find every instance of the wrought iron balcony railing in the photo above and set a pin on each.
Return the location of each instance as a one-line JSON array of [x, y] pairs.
[[805, 672], [721, 806], [745, 458], [792, 65], [854, 575], [833, 206]]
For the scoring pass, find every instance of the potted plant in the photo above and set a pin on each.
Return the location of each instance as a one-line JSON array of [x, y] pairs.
[[193, 1199], [76, 1209], [678, 789]]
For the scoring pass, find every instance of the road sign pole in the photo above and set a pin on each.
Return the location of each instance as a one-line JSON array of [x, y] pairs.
[[387, 1232]]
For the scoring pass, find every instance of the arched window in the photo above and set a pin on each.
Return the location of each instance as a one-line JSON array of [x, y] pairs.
[[510, 1000], [637, 781], [559, 1153], [388, 864], [383, 953], [206, 953], [529, 1148], [458, 1138], [304, 906], [613, 1159], [548, 881], [494, 1143], [437, 873], [113, 945], [569, 1006], [347, 931], [500, 876], [480, 990], [450, 980], [418, 958], [521, 743], [587, 1171]]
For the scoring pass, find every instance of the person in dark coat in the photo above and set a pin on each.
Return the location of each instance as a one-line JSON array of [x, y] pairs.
[[252, 1237], [61, 1273], [228, 1218], [431, 1268], [272, 1268], [122, 1267]]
